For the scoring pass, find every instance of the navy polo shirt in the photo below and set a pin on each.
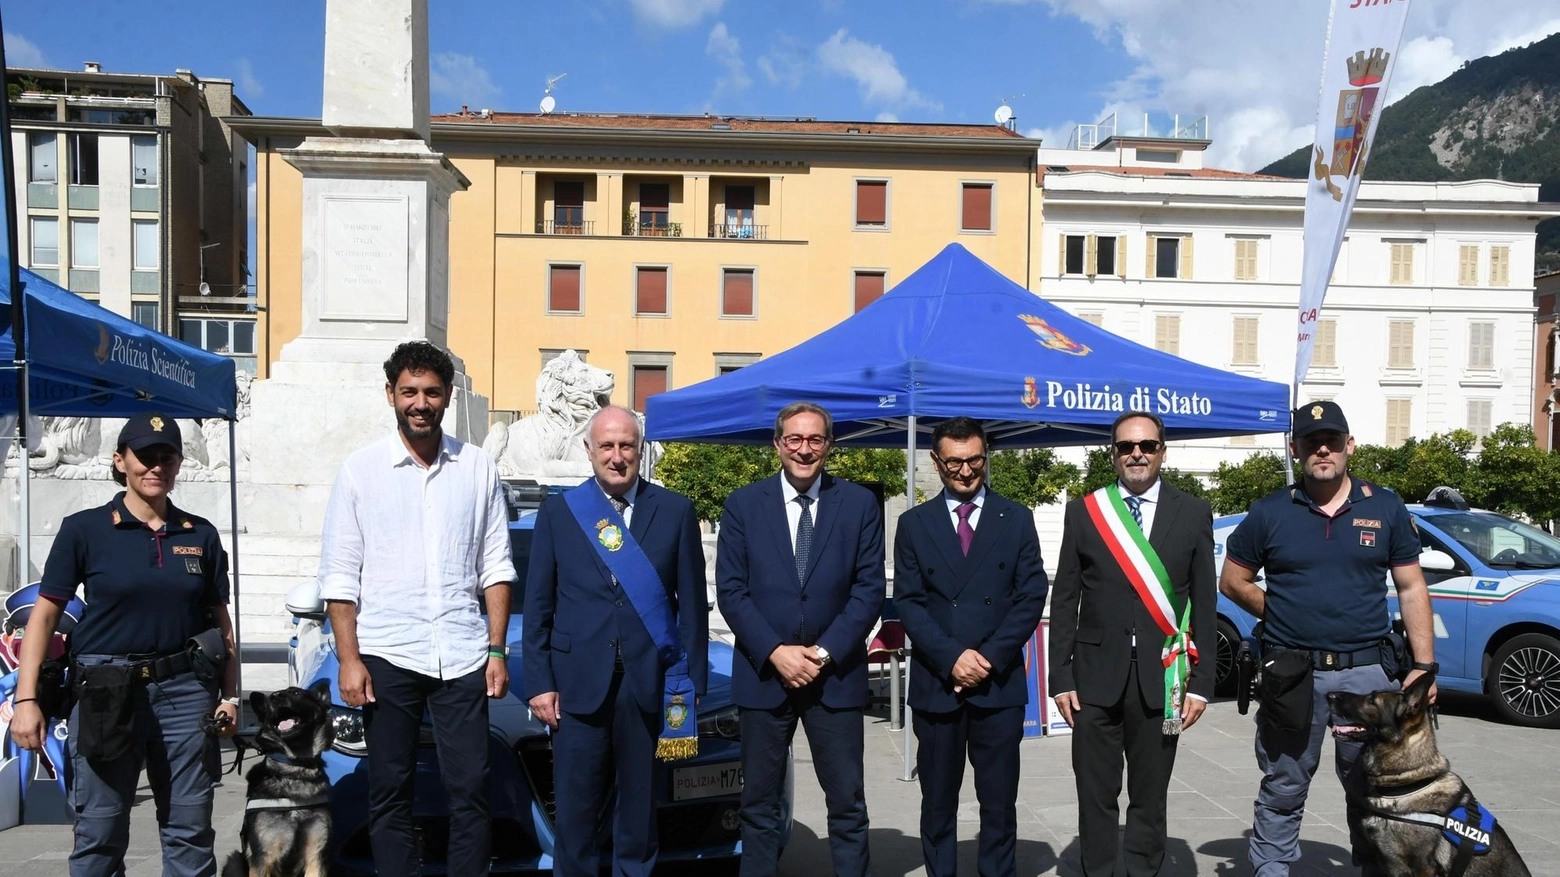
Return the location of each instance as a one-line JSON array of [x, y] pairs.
[[147, 591], [1326, 576]]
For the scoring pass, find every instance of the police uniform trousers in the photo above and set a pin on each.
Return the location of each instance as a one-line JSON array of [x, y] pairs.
[[1289, 760], [182, 766]]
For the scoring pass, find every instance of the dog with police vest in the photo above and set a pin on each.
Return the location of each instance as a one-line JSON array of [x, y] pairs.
[[286, 830], [1418, 817]]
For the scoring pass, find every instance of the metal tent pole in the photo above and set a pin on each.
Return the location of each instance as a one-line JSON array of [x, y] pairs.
[[910, 443], [19, 335], [238, 639]]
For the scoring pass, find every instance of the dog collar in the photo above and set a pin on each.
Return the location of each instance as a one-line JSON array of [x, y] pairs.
[[286, 803], [1405, 789], [283, 758]]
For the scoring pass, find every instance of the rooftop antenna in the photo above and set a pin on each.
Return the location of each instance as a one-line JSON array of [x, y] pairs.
[[1004, 114], [550, 103]]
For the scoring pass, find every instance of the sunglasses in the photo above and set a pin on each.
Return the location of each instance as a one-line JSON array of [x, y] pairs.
[[1150, 447]]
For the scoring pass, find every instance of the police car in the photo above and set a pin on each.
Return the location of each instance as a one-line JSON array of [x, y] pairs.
[[1495, 592], [696, 799]]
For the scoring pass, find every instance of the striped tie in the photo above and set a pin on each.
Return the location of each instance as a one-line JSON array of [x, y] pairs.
[[1133, 503]]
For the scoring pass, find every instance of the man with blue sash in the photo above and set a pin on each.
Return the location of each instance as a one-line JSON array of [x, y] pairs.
[[616, 646]]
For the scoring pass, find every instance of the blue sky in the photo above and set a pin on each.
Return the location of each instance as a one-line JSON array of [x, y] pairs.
[[1252, 67]]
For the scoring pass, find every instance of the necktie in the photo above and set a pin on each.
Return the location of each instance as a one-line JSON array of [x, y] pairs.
[[1133, 505], [966, 532], [804, 534], [618, 503]]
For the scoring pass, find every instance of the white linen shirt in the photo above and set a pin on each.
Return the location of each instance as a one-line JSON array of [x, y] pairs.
[[413, 548]]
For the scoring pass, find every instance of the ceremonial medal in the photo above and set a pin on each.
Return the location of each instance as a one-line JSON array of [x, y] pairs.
[[610, 535], [676, 713]]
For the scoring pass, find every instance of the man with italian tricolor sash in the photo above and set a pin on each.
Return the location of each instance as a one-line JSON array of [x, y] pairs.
[[1132, 643], [616, 645]]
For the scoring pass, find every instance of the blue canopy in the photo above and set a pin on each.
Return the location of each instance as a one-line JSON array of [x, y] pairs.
[[86, 361], [958, 338]]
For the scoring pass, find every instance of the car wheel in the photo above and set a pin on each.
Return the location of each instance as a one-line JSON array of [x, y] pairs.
[[1224, 676], [1524, 681]]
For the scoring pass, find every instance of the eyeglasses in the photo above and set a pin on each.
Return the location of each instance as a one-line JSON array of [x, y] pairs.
[[975, 463], [795, 442], [1150, 447]]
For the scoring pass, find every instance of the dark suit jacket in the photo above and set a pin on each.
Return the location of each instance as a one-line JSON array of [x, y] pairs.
[[835, 606], [989, 601], [575, 619], [1094, 608]]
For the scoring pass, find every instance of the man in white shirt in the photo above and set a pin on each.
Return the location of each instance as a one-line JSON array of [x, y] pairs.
[[416, 541]]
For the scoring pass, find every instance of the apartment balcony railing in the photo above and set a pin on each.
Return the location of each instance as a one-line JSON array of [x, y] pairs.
[[669, 230], [583, 226], [732, 231]]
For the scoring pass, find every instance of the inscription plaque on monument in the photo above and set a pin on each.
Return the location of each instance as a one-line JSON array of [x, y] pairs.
[[365, 259]]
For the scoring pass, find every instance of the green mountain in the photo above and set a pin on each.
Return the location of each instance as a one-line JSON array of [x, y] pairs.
[[1496, 118]]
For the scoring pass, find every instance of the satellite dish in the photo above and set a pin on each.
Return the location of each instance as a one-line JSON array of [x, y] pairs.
[[549, 103], [1004, 114], [205, 288]]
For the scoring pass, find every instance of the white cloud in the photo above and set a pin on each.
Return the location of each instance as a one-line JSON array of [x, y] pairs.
[[727, 52], [248, 85], [460, 79], [22, 52], [1255, 73], [673, 14], [874, 70], [785, 62], [886, 116]]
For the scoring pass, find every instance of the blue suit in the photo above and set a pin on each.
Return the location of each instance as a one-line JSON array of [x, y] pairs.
[[990, 601], [834, 604], [584, 640]]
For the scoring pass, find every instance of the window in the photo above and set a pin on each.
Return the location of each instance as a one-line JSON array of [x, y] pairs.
[[1400, 344], [147, 249], [869, 288], [1324, 352], [1468, 265], [1500, 266], [1093, 319], [1479, 417], [83, 243], [1074, 249], [232, 337], [569, 207], [551, 353], [726, 363], [1245, 341], [1104, 255], [1167, 333], [739, 211], [41, 159], [1246, 258], [563, 289], [872, 203], [1481, 345], [1402, 264], [655, 204], [736, 292], [145, 313], [45, 241], [1399, 421], [1093, 254], [83, 159], [977, 207], [650, 291], [1169, 257], [143, 161], [648, 380], [1158, 155]]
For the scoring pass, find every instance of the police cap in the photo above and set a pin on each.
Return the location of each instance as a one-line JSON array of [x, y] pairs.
[[145, 430], [1319, 417]]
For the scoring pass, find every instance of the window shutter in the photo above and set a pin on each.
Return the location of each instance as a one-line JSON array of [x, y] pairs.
[[1093, 319], [1090, 253], [1468, 265], [1481, 345], [563, 290], [977, 207], [871, 202], [1325, 351], [1121, 255], [1061, 255], [1149, 255], [651, 291], [648, 381], [1399, 421], [1185, 272], [1400, 344], [1500, 266], [1402, 264], [1479, 417], [869, 288], [1167, 334], [737, 294], [1245, 341]]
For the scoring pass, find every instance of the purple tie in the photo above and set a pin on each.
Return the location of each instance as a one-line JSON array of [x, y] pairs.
[[966, 532]]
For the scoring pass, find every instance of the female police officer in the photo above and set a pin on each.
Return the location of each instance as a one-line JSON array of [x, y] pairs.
[[155, 577]]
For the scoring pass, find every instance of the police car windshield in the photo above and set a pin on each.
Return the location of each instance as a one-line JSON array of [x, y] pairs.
[[1499, 541]]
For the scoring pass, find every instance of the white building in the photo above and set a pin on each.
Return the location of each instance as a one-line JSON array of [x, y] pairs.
[[1427, 326]]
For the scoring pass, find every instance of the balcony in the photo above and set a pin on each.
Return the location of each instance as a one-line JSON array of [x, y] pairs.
[[740, 232], [652, 229], [573, 227]]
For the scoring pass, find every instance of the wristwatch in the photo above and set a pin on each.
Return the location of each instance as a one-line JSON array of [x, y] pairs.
[[230, 700], [497, 651], [1433, 668], [824, 654]]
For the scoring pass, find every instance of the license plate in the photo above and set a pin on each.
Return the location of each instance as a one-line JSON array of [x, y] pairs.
[[706, 781]]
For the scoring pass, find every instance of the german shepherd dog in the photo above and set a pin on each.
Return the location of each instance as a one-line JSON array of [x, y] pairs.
[[1415, 816], [286, 829]]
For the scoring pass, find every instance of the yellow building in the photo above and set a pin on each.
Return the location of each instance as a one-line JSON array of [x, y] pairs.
[[671, 249]]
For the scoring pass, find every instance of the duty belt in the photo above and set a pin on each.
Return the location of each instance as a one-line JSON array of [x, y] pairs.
[[157, 668], [1321, 659]]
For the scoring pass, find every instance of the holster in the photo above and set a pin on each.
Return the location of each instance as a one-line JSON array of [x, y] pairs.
[[54, 694], [106, 696], [1396, 656], [208, 653], [1246, 676], [1285, 688]]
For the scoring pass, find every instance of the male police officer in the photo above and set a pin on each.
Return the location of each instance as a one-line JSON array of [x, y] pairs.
[[1326, 546]]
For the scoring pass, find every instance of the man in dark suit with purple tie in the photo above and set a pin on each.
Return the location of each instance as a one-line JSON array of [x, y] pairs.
[[799, 573], [969, 586]]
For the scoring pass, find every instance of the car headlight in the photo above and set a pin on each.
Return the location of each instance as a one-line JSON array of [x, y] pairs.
[[721, 723], [347, 723]]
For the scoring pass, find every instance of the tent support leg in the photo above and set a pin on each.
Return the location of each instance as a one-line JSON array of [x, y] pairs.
[[908, 737], [238, 639]]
